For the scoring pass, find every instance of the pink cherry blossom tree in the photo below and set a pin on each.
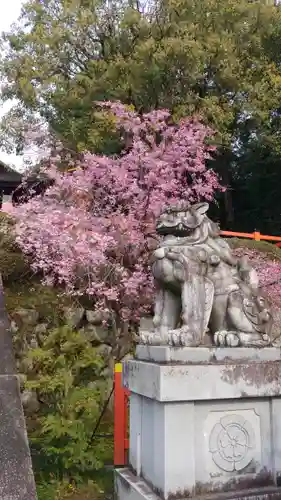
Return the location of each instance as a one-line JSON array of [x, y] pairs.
[[93, 230]]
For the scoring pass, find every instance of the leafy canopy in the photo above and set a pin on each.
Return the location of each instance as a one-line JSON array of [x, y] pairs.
[[216, 57]]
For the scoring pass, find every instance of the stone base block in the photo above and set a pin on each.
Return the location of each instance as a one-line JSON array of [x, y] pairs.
[[129, 487], [206, 427], [198, 355]]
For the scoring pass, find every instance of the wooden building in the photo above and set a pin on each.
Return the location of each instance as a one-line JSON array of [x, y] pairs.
[[9, 181]]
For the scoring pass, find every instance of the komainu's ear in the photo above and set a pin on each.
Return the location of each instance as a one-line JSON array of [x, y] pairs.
[[201, 208]]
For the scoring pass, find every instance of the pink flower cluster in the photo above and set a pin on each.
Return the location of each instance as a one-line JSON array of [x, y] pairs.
[[93, 230]]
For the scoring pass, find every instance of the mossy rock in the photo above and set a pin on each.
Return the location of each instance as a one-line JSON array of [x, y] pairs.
[[47, 301], [7, 224], [13, 265]]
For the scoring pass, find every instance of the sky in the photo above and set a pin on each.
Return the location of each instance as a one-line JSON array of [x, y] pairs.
[[9, 15]]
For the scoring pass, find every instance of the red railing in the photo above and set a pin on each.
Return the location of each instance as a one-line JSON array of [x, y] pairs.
[[121, 395], [121, 400], [256, 235]]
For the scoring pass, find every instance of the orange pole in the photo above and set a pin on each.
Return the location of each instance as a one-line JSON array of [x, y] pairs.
[[254, 236], [126, 438], [270, 238], [238, 235], [120, 420]]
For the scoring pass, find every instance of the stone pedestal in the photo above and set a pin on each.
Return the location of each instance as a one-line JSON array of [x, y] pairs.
[[204, 422], [16, 476]]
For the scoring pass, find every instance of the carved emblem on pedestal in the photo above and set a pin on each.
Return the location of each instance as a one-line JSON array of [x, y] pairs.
[[232, 441]]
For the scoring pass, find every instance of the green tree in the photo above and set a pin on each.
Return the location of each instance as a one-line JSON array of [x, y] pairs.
[[216, 58]]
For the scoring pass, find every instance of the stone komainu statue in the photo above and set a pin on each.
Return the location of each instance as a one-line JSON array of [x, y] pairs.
[[202, 287]]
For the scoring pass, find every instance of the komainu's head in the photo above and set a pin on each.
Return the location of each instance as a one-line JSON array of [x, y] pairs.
[[182, 220], [188, 222]]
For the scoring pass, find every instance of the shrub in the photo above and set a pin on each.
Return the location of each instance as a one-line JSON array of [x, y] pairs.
[[67, 377]]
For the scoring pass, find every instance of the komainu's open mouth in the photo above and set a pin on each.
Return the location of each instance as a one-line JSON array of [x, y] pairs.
[[174, 229]]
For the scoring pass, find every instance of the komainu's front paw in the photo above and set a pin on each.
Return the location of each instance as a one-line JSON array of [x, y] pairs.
[[153, 338], [144, 337], [187, 340], [174, 338], [223, 338], [232, 339], [181, 338], [220, 338]]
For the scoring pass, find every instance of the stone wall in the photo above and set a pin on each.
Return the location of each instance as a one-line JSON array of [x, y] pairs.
[[30, 329]]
